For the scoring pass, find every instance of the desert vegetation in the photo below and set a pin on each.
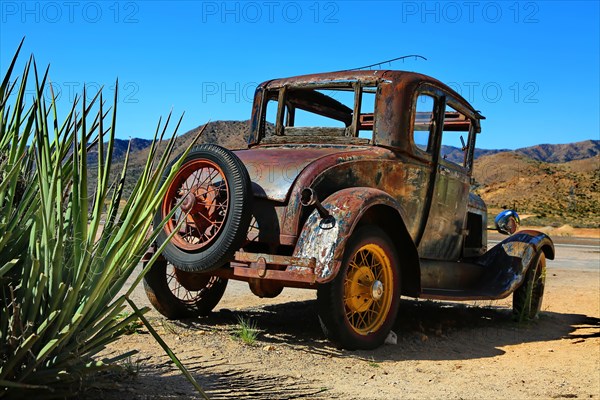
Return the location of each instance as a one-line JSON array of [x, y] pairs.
[[67, 247]]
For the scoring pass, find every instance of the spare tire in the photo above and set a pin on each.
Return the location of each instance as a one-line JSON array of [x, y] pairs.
[[211, 195]]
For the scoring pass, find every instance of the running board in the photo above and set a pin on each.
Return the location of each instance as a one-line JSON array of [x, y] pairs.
[[451, 275], [445, 294]]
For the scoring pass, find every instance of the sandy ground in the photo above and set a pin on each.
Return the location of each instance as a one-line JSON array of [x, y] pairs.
[[444, 350]]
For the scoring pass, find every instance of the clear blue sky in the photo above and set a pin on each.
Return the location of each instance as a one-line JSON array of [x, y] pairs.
[[531, 67]]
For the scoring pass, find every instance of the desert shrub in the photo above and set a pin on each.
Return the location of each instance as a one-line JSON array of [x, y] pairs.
[[65, 252]]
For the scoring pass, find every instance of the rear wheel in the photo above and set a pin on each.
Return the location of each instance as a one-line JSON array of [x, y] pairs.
[[358, 307], [527, 299], [210, 200], [178, 294]]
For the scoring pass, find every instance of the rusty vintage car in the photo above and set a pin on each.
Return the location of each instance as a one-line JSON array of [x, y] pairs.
[[356, 184]]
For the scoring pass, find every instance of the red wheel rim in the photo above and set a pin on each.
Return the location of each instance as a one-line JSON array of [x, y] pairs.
[[201, 195]]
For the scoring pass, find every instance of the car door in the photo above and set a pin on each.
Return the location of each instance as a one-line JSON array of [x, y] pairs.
[[445, 227], [418, 163]]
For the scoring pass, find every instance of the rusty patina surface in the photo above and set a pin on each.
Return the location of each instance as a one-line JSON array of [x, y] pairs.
[[274, 169], [326, 244]]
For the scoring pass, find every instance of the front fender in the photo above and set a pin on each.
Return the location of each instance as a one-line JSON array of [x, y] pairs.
[[327, 245], [507, 263]]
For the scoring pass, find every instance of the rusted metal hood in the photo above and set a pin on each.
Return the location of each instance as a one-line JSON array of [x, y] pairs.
[[274, 169]]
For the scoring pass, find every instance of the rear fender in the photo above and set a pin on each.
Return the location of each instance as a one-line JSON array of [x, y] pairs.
[[347, 206], [507, 263]]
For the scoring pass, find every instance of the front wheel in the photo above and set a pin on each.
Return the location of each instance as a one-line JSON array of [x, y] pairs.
[[527, 299], [358, 307]]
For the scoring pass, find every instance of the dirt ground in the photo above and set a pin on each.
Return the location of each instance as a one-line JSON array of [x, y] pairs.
[[444, 350]]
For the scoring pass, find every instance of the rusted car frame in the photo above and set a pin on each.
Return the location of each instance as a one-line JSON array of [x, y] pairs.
[[315, 190]]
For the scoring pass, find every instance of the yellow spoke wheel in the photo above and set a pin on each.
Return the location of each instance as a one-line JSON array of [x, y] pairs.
[[367, 300], [358, 307]]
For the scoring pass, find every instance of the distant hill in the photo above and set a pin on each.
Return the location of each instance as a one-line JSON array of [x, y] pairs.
[[555, 193], [455, 154], [552, 153], [560, 153], [557, 183], [120, 148]]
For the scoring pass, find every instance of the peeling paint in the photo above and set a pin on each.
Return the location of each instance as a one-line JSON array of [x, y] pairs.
[[321, 243]]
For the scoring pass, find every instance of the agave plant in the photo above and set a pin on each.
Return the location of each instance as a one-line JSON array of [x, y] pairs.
[[65, 253]]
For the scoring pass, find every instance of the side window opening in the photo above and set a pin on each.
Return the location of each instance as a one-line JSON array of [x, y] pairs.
[[367, 113], [424, 122], [455, 137], [270, 118], [271, 115]]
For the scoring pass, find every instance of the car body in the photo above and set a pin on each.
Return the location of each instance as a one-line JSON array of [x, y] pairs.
[[344, 173]]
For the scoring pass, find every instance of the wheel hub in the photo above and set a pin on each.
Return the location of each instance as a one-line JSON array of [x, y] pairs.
[[377, 290], [359, 288], [200, 206], [188, 203]]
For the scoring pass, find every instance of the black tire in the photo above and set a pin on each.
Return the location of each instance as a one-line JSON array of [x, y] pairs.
[[221, 202], [173, 300], [527, 299], [340, 301]]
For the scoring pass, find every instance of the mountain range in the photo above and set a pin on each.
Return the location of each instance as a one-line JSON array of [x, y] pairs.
[[551, 153]]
